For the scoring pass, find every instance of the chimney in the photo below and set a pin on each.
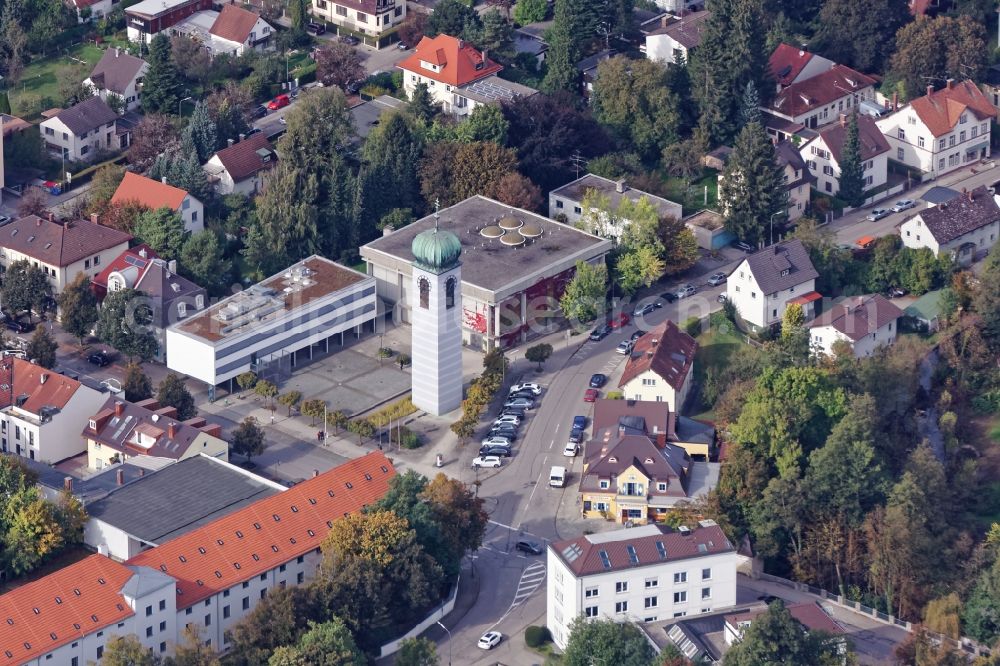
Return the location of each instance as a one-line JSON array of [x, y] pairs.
[[242, 136], [620, 186], [315, 473], [142, 472], [949, 83], [486, 53], [68, 483], [94, 217], [163, 179], [843, 120], [171, 430], [930, 89], [461, 44], [42, 377], [119, 408], [143, 253], [664, 20], [387, 230], [895, 101], [120, 476], [230, 142]]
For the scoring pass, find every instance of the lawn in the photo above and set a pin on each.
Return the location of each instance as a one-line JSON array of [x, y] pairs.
[[692, 196], [715, 347], [38, 89]]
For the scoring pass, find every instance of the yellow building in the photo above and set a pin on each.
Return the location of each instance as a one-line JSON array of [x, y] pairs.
[[123, 430]]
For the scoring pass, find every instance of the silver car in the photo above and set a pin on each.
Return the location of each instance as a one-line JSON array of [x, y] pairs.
[[903, 204], [686, 290]]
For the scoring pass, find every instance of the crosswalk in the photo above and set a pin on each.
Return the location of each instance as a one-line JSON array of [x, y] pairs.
[[531, 579]]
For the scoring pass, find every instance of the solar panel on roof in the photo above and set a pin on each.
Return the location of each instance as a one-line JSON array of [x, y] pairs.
[[605, 560], [132, 260], [632, 555], [571, 552]]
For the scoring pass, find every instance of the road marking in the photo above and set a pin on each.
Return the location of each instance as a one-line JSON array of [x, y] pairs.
[[551, 444], [537, 483], [531, 579]]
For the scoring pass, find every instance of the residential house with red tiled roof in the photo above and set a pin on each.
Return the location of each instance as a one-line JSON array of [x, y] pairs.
[[40, 417], [642, 574], [121, 431], [660, 366], [823, 149], [154, 194], [789, 65], [457, 75], [212, 576], [241, 166], [942, 131], [817, 101], [61, 248], [237, 30], [369, 19], [224, 568], [863, 322], [809, 614]]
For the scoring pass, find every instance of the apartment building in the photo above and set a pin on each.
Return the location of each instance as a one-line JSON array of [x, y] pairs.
[[823, 153], [367, 17], [764, 283]]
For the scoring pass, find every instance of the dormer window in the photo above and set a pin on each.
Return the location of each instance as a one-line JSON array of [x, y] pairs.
[[604, 484], [962, 119], [93, 424]]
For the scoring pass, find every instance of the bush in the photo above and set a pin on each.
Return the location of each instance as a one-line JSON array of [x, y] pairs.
[[392, 412], [614, 395], [692, 326], [536, 637], [384, 352], [403, 360]]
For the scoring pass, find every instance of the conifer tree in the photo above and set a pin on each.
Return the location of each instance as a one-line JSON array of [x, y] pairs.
[[852, 180], [161, 88], [751, 190]]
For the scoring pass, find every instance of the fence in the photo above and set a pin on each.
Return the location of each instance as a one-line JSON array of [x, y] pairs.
[[392, 647], [966, 645]]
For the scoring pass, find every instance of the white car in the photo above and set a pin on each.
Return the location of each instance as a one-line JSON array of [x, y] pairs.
[[903, 204], [571, 450], [490, 640], [877, 214], [486, 461], [624, 347], [508, 418], [495, 440], [528, 386]]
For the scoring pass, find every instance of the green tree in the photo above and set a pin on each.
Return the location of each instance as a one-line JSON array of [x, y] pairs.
[[751, 190], [451, 172], [775, 637], [137, 385], [286, 228], [561, 74], [127, 651], [327, 644], [279, 619], [290, 399], [454, 18], [935, 49], [103, 186], [392, 152], [606, 642], [173, 392], [680, 247], [794, 334], [163, 230], [986, 301], [497, 32], [584, 298], [42, 348], [485, 123], [78, 307], [25, 287], [162, 84], [298, 13], [266, 390], [202, 261], [854, 32], [124, 323], [202, 132], [314, 409], [852, 179], [538, 354], [750, 107], [192, 651], [247, 439], [417, 651], [632, 99], [246, 381], [422, 106], [981, 615], [530, 11], [639, 267]]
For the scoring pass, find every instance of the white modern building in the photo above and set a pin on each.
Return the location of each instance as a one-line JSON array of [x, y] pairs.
[[210, 577], [371, 18], [567, 201], [966, 227], [277, 321], [863, 322], [941, 131], [764, 283], [42, 415], [641, 574], [824, 151], [437, 323]]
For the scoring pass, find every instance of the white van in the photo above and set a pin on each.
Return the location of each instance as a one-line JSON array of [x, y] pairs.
[[557, 477]]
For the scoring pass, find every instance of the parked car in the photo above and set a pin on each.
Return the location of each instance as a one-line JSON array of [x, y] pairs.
[[496, 440], [571, 449], [591, 395], [621, 320], [903, 204], [506, 431], [508, 418], [527, 386], [740, 245], [490, 640], [669, 296], [686, 290], [523, 403], [279, 102], [315, 29], [580, 422], [600, 332], [865, 242], [528, 395], [402, 46], [486, 461], [100, 359], [516, 411], [877, 214], [646, 308], [636, 335], [260, 111], [350, 39], [529, 547], [576, 435], [624, 347], [597, 380], [17, 326], [716, 279], [5, 219], [494, 451], [896, 292]]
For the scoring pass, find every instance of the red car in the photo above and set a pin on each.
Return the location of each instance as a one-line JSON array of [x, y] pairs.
[[621, 320], [591, 395], [279, 102]]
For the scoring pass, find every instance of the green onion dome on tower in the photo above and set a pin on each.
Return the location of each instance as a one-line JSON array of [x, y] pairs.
[[436, 250]]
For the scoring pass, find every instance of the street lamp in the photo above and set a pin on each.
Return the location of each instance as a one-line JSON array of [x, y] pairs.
[[449, 641], [180, 102], [772, 226]]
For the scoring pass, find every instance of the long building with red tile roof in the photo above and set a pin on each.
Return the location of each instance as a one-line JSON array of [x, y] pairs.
[[659, 367], [212, 576]]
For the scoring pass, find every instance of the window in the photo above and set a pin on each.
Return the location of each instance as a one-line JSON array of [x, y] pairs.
[[962, 119], [225, 612], [961, 136], [706, 593], [901, 133], [590, 592], [650, 602], [942, 143], [652, 582], [208, 620], [559, 203], [706, 574], [425, 293], [577, 210], [163, 626], [449, 293], [181, 309], [49, 131], [246, 603], [680, 597], [84, 150], [940, 164], [149, 632], [899, 154], [974, 132], [680, 577], [163, 604], [97, 261], [982, 128], [661, 486], [920, 141], [951, 140], [398, 12], [362, 17], [341, 11], [590, 611], [100, 651], [649, 382], [86, 263], [621, 606], [621, 586], [300, 578], [604, 484], [753, 294]]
